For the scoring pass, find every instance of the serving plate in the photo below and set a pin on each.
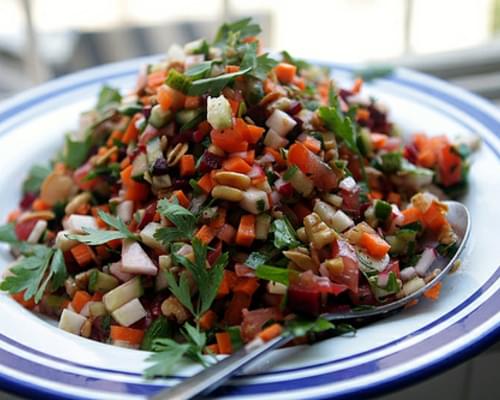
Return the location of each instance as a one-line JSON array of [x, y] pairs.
[[38, 360]]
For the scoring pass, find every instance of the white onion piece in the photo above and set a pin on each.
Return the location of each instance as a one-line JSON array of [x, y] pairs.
[[425, 261], [408, 274], [280, 122], [124, 210], [116, 270], [348, 184], [274, 140]]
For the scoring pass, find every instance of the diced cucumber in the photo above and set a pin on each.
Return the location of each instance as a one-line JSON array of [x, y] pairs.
[[219, 112], [123, 294], [184, 116], [160, 328], [153, 151], [62, 241], [255, 201], [365, 142], [129, 313], [161, 182], [301, 183], [130, 109], [101, 282], [382, 209], [147, 236], [370, 265], [139, 166], [262, 225], [71, 322], [97, 309], [159, 117]]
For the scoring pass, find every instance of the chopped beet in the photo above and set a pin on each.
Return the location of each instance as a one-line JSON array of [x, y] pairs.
[[160, 167], [183, 137], [295, 108], [149, 214], [181, 184], [209, 161], [27, 200], [304, 300], [146, 111], [258, 115]]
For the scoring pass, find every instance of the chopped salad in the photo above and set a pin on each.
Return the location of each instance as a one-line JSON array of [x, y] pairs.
[[229, 194]]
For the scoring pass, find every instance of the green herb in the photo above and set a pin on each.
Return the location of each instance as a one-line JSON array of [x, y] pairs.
[[235, 335], [76, 151], [207, 280], [290, 172], [374, 72], [447, 250], [183, 219], [108, 97], [200, 116], [257, 258], [284, 234], [35, 178], [260, 65], [8, 233], [242, 29], [391, 162], [111, 170], [160, 328], [95, 237], [43, 268], [214, 86], [300, 64], [301, 327], [200, 70], [274, 274], [130, 109], [382, 209], [178, 81], [271, 176]]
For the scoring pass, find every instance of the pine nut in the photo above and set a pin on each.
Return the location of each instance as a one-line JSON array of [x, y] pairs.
[[77, 201], [233, 179], [216, 150], [227, 193]]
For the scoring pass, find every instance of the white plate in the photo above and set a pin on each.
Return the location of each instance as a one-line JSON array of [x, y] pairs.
[[39, 360]]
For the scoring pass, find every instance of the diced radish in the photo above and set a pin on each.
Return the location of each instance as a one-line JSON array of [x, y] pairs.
[[76, 223], [129, 313], [425, 261], [276, 288], [262, 226], [413, 285], [284, 188], [280, 122], [135, 260], [274, 140], [147, 236], [254, 201], [408, 274], [124, 210], [37, 231], [348, 184], [116, 270], [123, 294], [71, 322], [256, 172], [341, 221]]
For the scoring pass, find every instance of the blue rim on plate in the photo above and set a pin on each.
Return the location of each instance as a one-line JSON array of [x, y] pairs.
[[479, 311]]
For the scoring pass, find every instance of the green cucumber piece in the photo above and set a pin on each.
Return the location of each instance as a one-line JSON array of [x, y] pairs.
[[159, 117], [382, 209], [139, 166], [101, 282]]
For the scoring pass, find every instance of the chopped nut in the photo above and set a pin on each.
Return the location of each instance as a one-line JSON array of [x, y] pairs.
[[77, 201], [301, 233], [99, 160], [227, 193], [44, 214], [175, 154], [233, 179], [56, 188], [86, 328], [303, 261], [173, 309], [317, 231]]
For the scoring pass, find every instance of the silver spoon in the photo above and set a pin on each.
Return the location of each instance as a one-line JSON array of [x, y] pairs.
[[210, 378]]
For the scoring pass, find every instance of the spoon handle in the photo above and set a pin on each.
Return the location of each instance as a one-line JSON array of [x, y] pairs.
[[210, 378]]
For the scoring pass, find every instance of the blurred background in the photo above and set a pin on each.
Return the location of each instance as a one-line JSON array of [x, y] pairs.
[[457, 40]]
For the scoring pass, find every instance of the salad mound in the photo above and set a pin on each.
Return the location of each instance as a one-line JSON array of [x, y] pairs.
[[229, 195]]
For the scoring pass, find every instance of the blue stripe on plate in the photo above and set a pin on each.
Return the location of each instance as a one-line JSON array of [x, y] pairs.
[[483, 118]]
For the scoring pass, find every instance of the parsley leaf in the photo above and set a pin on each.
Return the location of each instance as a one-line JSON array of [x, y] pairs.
[[284, 234], [274, 274], [261, 65], [35, 272], [35, 178], [242, 28], [300, 64], [8, 233], [301, 327], [95, 237], [160, 328], [76, 151], [207, 280], [183, 219], [214, 85], [200, 70], [108, 97]]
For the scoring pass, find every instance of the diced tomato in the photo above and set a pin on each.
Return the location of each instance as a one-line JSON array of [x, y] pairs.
[[349, 276], [253, 321]]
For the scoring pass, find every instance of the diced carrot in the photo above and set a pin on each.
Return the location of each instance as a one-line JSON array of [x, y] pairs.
[[299, 155], [285, 72], [276, 154], [379, 140], [165, 97], [125, 163], [187, 165], [374, 194], [206, 183], [434, 292], [301, 211], [131, 132], [116, 135], [362, 114], [40, 205], [312, 144], [192, 102], [205, 234], [232, 68], [433, 218], [97, 296], [13, 215], [259, 180], [394, 198], [95, 213], [224, 343], [374, 244], [133, 224], [102, 150], [212, 349], [246, 230], [411, 215], [59, 168], [182, 198], [124, 334], [270, 332], [102, 252], [114, 244], [219, 220], [207, 320], [299, 82], [156, 78], [227, 233], [204, 127], [19, 298], [235, 106], [450, 166], [133, 190], [80, 298], [420, 140], [229, 140], [236, 164], [246, 285], [83, 209], [412, 303], [82, 254], [358, 84], [269, 86], [233, 314], [426, 158], [253, 133], [227, 284]]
